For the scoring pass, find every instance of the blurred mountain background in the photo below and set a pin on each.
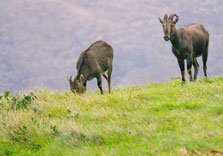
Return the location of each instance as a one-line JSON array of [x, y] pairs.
[[40, 40]]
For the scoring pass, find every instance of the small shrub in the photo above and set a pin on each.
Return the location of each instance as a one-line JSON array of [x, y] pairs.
[[16, 101], [21, 103]]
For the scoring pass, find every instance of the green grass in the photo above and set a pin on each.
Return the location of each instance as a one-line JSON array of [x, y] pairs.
[[154, 119]]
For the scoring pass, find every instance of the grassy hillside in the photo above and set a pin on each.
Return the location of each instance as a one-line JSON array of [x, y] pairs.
[[154, 119]]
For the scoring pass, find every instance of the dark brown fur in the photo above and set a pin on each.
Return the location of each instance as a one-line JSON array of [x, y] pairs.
[[188, 43], [94, 62]]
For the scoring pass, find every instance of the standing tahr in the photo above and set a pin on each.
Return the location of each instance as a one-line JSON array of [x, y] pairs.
[[188, 43]]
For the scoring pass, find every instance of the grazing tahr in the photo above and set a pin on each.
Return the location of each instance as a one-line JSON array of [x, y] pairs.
[[188, 43], [94, 62]]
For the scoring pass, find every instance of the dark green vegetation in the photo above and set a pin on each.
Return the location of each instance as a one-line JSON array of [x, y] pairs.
[[154, 119]]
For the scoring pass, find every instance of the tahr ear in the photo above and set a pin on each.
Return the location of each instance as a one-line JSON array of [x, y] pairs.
[[176, 20], [161, 21], [70, 79]]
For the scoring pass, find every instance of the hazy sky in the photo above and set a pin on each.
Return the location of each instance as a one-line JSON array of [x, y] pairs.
[[40, 40]]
